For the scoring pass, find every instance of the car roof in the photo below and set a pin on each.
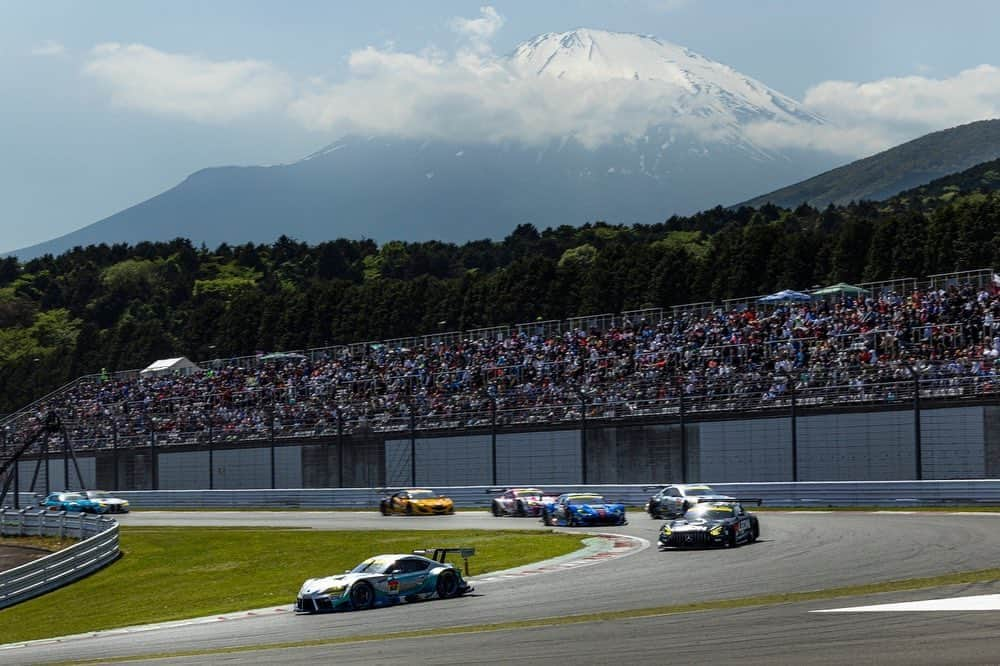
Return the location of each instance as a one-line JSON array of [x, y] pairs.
[[397, 556]]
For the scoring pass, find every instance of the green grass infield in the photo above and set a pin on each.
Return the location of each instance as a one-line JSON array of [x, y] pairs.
[[176, 573]]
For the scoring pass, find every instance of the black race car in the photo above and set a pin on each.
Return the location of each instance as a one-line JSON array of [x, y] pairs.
[[706, 524], [673, 501]]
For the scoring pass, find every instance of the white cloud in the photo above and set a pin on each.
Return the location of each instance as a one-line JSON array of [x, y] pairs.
[[473, 98], [213, 91], [49, 48], [479, 31], [872, 116]]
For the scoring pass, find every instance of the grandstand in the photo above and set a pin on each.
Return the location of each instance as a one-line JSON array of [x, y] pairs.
[[941, 334]]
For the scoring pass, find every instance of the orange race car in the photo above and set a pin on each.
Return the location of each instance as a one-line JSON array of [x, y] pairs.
[[416, 502]]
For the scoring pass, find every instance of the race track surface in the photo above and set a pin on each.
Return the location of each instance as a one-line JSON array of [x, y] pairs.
[[798, 552]]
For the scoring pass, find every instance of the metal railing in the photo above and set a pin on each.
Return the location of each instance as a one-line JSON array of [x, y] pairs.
[[98, 547], [968, 492]]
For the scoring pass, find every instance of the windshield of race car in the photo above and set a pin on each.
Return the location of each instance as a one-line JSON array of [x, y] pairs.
[[527, 492], [703, 490], [374, 565], [423, 494], [709, 512], [585, 499], [98, 494]]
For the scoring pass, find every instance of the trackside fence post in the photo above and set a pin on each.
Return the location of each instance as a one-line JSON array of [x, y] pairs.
[[795, 430], [683, 426]]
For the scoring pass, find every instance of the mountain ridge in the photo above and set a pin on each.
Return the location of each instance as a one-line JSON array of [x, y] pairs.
[[897, 169]]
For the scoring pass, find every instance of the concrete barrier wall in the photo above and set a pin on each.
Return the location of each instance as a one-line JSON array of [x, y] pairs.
[[961, 442]]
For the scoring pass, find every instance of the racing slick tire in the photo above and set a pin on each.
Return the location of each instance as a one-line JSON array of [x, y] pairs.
[[520, 510], [362, 596], [409, 509], [570, 519], [383, 509], [731, 539], [754, 531], [447, 585], [495, 508]]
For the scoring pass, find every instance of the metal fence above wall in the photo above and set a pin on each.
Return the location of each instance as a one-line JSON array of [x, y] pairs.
[[98, 547]]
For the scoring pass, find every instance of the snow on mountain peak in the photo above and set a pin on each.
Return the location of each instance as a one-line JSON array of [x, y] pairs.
[[694, 84]]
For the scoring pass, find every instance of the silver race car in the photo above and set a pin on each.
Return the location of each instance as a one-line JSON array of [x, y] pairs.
[[386, 580]]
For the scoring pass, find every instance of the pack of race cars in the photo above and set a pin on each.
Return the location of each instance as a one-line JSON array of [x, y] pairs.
[[697, 517]]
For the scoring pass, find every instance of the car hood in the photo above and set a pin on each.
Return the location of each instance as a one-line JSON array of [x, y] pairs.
[[320, 585]]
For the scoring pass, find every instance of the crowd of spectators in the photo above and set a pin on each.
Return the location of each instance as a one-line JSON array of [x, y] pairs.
[[824, 351]]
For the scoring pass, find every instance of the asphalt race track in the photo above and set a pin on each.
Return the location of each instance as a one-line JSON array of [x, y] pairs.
[[798, 552]]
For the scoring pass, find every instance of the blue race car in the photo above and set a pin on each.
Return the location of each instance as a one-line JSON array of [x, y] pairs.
[[72, 502], [385, 580], [577, 509]]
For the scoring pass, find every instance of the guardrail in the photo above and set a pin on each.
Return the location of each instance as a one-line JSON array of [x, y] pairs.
[[98, 547], [779, 494]]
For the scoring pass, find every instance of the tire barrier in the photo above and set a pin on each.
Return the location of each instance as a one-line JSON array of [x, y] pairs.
[[98, 547], [779, 494]]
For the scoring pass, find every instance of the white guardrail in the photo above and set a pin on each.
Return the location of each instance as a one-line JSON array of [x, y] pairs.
[[98, 546], [780, 494]]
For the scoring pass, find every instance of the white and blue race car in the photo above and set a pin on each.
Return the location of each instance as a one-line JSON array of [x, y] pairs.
[[385, 580]]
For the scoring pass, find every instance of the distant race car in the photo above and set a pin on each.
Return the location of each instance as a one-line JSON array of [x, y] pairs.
[[72, 502], [673, 501], [383, 580], [725, 524], [105, 499], [577, 509], [520, 502], [416, 502]]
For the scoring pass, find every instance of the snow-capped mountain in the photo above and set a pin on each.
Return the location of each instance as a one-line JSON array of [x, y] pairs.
[[691, 83], [671, 128]]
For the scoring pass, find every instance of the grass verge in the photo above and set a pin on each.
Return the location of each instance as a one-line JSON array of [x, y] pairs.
[[177, 573]]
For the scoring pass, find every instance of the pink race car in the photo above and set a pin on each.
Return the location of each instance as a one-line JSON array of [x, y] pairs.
[[520, 502]]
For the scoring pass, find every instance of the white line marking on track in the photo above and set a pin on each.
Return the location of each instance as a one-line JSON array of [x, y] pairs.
[[983, 602]]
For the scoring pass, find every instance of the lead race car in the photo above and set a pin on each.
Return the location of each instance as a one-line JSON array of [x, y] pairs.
[[578, 509], [706, 524], [386, 580], [520, 502]]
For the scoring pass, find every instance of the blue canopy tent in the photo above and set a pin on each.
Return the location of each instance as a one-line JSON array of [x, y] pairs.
[[785, 296]]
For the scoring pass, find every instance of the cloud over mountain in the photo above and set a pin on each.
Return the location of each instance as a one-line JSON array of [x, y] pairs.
[[598, 88], [215, 91]]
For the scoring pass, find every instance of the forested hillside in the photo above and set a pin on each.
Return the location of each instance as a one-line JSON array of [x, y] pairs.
[[121, 307], [900, 168]]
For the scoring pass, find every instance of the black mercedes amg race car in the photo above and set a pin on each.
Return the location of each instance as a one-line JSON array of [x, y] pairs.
[[725, 524]]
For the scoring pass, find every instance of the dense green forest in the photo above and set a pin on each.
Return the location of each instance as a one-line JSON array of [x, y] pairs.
[[120, 306]]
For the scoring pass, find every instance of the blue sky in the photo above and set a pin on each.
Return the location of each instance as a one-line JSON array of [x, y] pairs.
[[106, 104]]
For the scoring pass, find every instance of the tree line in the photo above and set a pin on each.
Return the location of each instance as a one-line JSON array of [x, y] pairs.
[[120, 306]]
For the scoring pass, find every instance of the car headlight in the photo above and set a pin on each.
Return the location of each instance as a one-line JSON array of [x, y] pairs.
[[335, 591], [716, 531], [665, 531]]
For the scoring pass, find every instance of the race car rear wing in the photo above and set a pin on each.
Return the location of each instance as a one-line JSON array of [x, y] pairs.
[[441, 555], [742, 500]]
